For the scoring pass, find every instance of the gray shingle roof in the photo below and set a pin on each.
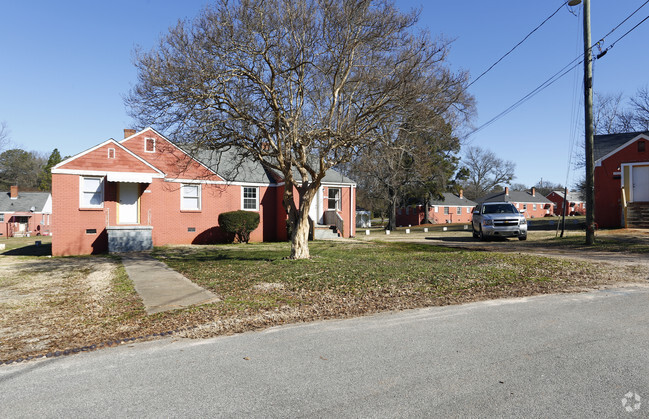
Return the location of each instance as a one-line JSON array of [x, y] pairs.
[[515, 196], [452, 200], [604, 144], [24, 202], [228, 164]]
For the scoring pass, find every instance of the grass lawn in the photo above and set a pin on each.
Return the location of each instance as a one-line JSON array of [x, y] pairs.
[[49, 304]]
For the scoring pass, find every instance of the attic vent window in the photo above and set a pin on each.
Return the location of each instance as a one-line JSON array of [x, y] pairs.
[[111, 153], [641, 146], [149, 145]]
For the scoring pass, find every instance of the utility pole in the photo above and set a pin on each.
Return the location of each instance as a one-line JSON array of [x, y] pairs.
[[588, 111]]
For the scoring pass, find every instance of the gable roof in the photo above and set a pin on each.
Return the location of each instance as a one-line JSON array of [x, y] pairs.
[[450, 199], [144, 166], [606, 145], [573, 196], [25, 201], [515, 196]]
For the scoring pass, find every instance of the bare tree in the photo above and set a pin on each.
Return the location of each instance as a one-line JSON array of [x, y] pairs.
[[4, 136], [486, 172], [610, 116], [640, 109], [300, 86]]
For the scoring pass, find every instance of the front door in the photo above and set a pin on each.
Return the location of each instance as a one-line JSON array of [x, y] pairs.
[[640, 180], [128, 203]]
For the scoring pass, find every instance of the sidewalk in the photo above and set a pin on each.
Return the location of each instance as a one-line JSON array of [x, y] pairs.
[[162, 288]]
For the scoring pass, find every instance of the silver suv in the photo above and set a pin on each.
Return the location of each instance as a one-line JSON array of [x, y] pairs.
[[498, 219]]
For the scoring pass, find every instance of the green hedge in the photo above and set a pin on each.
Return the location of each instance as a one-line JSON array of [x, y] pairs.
[[239, 223]]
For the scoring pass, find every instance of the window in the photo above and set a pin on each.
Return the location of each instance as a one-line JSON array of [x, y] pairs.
[[91, 231], [468, 210], [524, 207], [641, 146], [436, 208], [250, 198], [111, 153], [190, 199], [407, 210], [534, 207], [92, 192], [334, 199], [2, 218], [446, 210], [458, 210], [149, 145]]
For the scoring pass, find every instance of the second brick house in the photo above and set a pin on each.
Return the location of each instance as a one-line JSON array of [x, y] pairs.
[[532, 204], [450, 208]]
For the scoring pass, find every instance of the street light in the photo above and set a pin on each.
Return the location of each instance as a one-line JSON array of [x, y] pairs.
[[588, 114]]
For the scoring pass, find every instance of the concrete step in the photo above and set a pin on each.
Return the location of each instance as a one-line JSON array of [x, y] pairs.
[[321, 232]]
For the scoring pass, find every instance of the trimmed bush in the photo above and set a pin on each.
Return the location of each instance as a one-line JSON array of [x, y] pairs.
[[239, 223]]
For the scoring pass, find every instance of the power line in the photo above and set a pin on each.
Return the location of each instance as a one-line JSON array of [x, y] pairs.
[[601, 54], [517, 45]]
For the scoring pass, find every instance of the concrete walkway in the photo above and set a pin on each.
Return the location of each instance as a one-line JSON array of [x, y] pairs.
[[162, 288]]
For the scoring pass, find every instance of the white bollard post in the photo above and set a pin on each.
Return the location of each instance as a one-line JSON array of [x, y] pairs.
[[367, 232], [407, 231], [425, 229], [445, 228], [387, 232]]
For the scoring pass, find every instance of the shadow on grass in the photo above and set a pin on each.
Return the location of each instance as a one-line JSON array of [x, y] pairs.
[[31, 250]]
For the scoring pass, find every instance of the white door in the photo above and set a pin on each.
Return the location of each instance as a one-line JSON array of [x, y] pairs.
[[640, 180], [128, 202], [315, 210]]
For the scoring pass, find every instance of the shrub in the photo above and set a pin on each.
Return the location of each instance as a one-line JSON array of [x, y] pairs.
[[239, 223]]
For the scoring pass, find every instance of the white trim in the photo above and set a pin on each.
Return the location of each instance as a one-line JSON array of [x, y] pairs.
[[599, 161], [222, 182], [630, 166], [257, 198], [129, 177], [98, 173], [113, 150], [200, 198], [146, 140], [56, 169], [342, 185], [81, 192]]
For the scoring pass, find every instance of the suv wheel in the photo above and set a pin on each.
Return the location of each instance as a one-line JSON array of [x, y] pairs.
[[522, 237], [475, 233], [480, 234]]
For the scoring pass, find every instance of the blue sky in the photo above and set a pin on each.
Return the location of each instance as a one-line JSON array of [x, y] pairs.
[[66, 67]]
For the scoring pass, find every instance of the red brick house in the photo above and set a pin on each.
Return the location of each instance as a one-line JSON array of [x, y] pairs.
[[145, 191], [25, 214], [531, 204], [575, 205], [622, 180], [451, 208]]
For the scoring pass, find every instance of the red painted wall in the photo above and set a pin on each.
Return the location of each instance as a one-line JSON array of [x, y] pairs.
[[608, 196]]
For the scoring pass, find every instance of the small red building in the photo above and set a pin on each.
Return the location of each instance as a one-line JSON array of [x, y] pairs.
[[622, 180], [25, 214], [451, 208], [531, 204], [575, 205], [145, 191]]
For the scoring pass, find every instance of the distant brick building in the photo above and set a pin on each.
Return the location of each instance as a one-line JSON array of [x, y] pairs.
[[25, 213], [575, 205], [531, 204], [451, 208], [146, 189]]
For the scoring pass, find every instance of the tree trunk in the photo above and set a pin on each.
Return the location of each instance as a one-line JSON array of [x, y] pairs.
[[392, 211], [427, 210], [299, 219]]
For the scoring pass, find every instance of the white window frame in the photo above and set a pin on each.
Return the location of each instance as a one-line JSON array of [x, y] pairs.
[[111, 153], [447, 210], [83, 192], [2, 217], [435, 208], [337, 200], [199, 199], [468, 210], [146, 141], [244, 198], [458, 211], [534, 207]]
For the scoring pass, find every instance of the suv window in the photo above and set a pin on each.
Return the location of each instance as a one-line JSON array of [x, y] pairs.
[[499, 209]]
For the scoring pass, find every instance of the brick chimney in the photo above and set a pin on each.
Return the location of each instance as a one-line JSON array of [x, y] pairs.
[[13, 194], [128, 132], [533, 191], [461, 194], [506, 190]]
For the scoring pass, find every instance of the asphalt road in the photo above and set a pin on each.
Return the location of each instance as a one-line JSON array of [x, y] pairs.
[[570, 355]]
